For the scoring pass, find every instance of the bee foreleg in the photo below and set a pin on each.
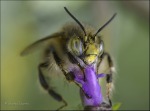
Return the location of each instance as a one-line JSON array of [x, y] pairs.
[[69, 75], [47, 87], [74, 61]]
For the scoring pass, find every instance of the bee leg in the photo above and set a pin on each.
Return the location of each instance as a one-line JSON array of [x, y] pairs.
[[50, 90], [74, 61], [109, 85], [43, 82], [69, 75], [108, 76], [78, 81]]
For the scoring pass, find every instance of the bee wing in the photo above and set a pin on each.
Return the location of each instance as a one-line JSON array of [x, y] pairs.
[[40, 43]]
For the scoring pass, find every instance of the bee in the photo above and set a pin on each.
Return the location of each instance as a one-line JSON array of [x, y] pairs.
[[73, 48]]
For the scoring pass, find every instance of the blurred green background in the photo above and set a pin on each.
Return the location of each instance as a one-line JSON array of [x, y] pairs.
[[126, 38]]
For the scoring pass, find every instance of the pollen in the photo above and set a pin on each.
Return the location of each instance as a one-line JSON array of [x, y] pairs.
[[92, 49], [90, 59]]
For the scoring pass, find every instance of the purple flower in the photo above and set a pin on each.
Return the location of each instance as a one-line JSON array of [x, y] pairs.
[[91, 91]]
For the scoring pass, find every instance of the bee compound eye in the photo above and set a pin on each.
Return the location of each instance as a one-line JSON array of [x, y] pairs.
[[101, 47], [76, 46]]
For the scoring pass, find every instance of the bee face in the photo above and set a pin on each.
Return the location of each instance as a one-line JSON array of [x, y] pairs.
[[91, 53], [92, 50], [87, 49]]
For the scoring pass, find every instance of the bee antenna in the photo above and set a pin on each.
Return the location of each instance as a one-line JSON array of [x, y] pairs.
[[75, 20], [106, 24]]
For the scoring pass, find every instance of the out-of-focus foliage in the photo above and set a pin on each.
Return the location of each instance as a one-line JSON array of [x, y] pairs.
[[116, 106], [126, 38]]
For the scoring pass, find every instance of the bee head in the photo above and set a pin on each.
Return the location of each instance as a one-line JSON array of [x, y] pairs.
[[89, 47]]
